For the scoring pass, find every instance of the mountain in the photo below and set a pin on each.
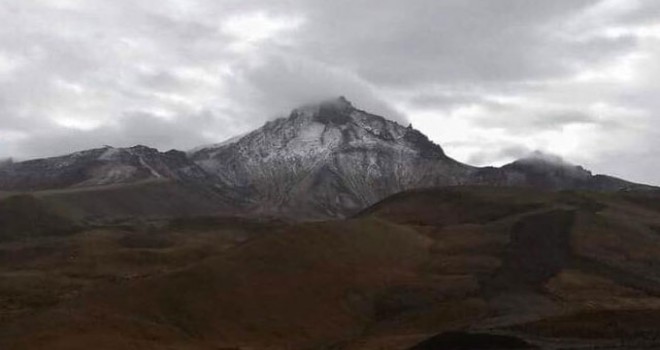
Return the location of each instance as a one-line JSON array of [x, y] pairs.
[[114, 184], [98, 167], [332, 160], [327, 160], [550, 172]]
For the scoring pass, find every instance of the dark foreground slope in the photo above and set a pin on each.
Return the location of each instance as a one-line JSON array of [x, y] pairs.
[[24, 216], [523, 267]]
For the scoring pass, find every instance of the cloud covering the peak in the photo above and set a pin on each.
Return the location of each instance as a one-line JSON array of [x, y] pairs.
[[488, 80]]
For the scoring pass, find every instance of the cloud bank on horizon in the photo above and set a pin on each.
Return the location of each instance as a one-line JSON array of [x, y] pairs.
[[488, 80]]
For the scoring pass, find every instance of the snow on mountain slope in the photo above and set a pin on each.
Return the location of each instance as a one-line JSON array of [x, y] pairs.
[[329, 159], [97, 167]]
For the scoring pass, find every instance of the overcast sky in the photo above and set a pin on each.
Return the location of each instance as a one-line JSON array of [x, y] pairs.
[[489, 80]]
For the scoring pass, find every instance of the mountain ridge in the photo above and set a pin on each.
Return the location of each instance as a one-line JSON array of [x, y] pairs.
[[325, 160], [97, 167]]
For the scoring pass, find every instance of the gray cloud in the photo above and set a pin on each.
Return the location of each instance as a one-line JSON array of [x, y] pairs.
[[517, 120], [130, 129], [489, 80], [454, 41], [501, 154]]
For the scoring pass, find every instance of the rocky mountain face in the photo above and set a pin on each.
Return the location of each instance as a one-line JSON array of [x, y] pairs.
[[329, 160], [322, 161], [97, 167]]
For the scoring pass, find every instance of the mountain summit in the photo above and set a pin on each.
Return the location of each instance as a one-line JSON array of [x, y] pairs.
[[329, 159], [324, 160]]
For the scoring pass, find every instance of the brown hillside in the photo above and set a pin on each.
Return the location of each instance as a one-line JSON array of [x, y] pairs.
[[481, 260]]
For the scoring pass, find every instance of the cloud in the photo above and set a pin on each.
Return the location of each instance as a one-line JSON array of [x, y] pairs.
[[455, 41], [279, 82], [128, 130], [499, 155]]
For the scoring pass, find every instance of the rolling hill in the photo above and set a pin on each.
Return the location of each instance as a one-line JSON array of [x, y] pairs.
[[423, 268]]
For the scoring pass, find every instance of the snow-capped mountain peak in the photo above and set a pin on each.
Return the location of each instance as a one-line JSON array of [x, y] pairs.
[[329, 144], [322, 128]]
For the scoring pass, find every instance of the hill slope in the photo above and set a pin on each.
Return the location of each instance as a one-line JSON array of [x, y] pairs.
[[530, 264], [24, 217]]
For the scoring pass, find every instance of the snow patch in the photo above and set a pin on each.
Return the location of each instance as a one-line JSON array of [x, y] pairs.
[[226, 142], [110, 154], [151, 169]]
